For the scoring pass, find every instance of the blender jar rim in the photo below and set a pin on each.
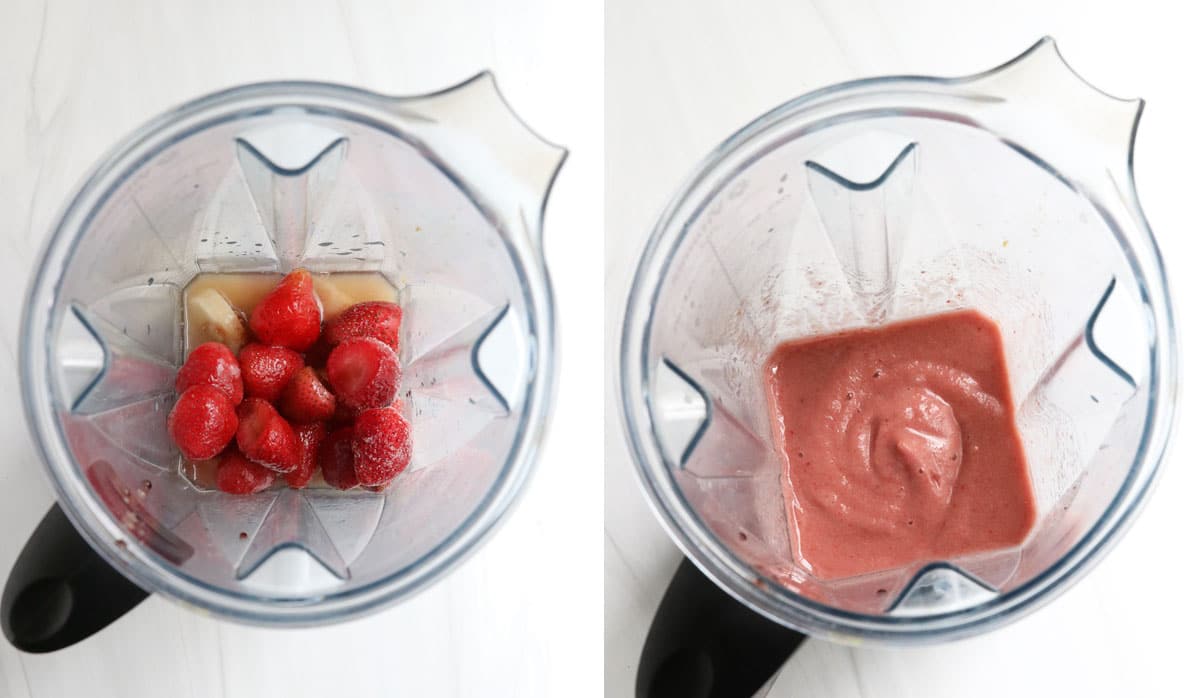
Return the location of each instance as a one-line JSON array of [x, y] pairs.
[[694, 537], [89, 515]]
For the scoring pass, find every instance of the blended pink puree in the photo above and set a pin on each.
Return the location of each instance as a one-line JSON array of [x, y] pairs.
[[899, 444]]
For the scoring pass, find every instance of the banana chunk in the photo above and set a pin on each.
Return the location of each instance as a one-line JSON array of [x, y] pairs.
[[212, 319]]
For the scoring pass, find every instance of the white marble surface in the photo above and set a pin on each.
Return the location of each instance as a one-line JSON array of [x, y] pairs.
[[682, 74], [75, 77]]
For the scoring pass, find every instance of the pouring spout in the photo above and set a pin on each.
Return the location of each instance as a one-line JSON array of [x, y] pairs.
[[1047, 107], [490, 151]]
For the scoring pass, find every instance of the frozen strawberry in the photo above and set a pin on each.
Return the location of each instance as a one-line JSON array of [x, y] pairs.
[[266, 438], [290, 315], [211, 363], [202, 422], [310, 436], [336, 458], [306, 399], [364, 372], [237, 474], [266, 370], [382, 446], [376, 319]]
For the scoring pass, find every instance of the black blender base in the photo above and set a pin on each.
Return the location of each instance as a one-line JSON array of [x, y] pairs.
[[703, 643], [60, 590]]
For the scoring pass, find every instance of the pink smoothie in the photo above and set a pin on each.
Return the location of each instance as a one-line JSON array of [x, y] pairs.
[[899, 445]]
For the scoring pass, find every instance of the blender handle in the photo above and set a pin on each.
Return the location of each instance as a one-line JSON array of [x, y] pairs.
[[60, 590], [704, 643]]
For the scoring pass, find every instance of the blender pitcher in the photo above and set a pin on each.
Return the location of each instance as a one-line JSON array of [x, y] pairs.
[[442, 194], [1010, 192]]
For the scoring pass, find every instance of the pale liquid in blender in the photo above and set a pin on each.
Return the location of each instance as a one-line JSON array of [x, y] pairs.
[[243, 291]]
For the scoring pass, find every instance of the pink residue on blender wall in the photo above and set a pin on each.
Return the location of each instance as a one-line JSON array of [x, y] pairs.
[[899, 445]]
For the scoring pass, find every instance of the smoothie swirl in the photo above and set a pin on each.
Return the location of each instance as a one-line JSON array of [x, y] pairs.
[[899, 444], [891, 445]]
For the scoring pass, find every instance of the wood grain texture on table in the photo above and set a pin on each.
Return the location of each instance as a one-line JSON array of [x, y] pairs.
[[75, 77], [680, 75]]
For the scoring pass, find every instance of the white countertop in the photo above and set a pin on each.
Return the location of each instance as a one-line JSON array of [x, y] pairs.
[[511, 621], [683, 74]]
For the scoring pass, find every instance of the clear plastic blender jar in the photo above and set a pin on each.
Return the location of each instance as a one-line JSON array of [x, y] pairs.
[[442, 194], [1010, 192]]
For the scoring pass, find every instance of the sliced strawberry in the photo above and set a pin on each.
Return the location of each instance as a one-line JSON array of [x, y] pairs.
[[213, 364], [202, 422], [310, 436], [336, 458], [306, 399], [364, 372], [290, 315], [266, 370], [236, 474], [376, 319], [382, 446], [266, 438]]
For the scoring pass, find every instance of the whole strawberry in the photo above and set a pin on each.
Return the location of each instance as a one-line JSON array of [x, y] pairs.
[[376, 319], [236, 474], [266, 370], [266, 438], [364, 372], [336, 459], [290, 315], [305, 399], [382, 446], [213, 364], [310, 436], [202, 422]]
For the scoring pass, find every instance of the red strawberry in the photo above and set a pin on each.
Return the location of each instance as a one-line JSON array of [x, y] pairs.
[[266, 438], [382, 446], [364, 372], [336, 458], [267, 370], [202, 422], [310, 436], [290, 315], [376, 319], [211, 363], [238, 475], [306, 399]]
